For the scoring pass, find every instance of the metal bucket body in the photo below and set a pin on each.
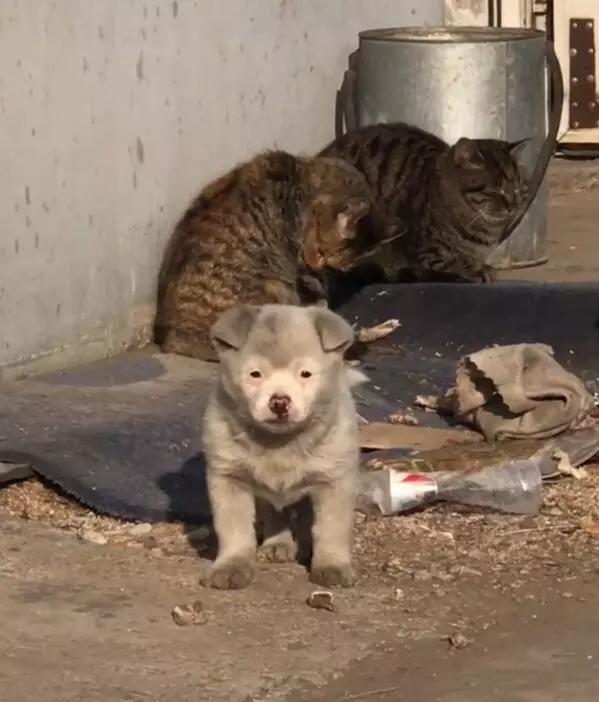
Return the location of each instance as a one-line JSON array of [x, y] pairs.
[[470, 81]]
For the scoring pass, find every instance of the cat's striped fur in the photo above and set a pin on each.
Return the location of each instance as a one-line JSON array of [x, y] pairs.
[[451, 205], [254, 236]]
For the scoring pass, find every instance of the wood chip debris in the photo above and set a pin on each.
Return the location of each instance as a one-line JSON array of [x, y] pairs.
[[398, 594], [589, 525], [140, 529], [367, 335], [458, 641], [405, 418], [565, 467], [429, 403], [321, 599], [189, 614], [93, 537]]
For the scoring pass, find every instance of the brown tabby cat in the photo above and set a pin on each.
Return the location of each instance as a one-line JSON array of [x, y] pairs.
[[255, 236], [450, 205]]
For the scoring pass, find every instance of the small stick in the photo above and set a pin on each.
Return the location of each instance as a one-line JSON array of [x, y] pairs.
[[371, 693], [560, 527]]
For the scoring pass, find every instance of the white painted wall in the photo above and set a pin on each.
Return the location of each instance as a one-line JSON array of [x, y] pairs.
[[514, 13], [113, 113], [466, 13]]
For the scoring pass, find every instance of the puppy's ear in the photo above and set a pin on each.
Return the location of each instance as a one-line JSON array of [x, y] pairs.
[[334, 332], [349, 216], [231, 329]]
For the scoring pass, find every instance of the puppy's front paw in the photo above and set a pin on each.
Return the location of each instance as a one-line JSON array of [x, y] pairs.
[[231, 574], [333, 575]]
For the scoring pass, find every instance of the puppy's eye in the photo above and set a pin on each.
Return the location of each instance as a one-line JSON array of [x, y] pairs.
[[306, 374], [256, 374]]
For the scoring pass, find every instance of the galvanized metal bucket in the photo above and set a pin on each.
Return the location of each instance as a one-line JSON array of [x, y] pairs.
[[465, 81]]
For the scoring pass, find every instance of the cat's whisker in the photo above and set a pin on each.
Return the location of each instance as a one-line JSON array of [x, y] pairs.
[[486, 217], [379, 245], [477, 217]]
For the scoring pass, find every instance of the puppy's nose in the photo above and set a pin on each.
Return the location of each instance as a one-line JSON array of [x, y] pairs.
[[279, 405]]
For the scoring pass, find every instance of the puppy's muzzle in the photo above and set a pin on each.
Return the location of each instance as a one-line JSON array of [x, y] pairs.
[[279, 406]]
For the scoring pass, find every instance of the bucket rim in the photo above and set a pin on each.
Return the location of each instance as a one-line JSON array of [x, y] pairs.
[[450, 34]]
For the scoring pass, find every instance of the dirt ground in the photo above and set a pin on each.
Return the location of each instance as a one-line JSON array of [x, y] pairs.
[[451, 604], [573, 210]]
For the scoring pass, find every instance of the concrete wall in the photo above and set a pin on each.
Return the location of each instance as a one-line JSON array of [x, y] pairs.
[[514, 13], [113, 113], [473, 13]]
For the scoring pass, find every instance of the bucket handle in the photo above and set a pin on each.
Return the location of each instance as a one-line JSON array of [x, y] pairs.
[[345, 120], [345, 103], [556, 103]]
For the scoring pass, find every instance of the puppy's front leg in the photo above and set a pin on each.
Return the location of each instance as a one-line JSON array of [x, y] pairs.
[[233, 511], [332, 534]]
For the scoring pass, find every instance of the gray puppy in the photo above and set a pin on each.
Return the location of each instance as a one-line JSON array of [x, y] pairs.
[[281, 426]]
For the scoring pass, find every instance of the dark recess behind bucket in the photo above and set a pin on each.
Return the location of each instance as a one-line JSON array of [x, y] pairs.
[[419, 75]]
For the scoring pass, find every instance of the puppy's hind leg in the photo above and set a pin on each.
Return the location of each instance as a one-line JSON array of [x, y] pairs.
[[278, 545], [233, 511]]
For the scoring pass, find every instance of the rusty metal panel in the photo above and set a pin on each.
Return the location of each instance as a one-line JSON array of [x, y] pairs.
[[584, 111]]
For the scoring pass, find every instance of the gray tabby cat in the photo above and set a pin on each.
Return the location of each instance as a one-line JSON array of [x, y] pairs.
[[449, 207]]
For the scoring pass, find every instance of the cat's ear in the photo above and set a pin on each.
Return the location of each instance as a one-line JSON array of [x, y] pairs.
[[349, 216], [335, 334], [231, 329], [466, 154], [517, 147]]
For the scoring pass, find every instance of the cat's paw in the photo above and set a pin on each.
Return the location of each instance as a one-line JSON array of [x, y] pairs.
[[231, 574], [283, 551], [488, 275], [333, 575]]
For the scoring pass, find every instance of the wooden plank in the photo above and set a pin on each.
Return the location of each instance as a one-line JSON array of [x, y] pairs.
[[584, 112], [381, 435]]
